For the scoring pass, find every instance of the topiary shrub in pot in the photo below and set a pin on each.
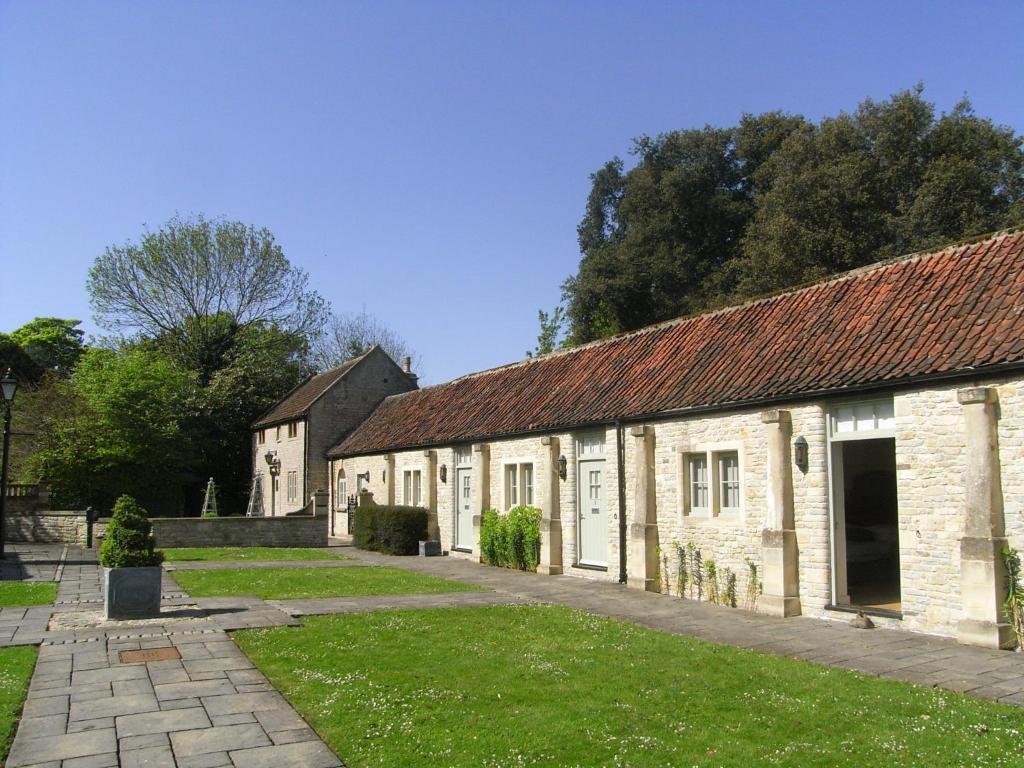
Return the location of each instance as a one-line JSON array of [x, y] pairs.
[[131, 565]]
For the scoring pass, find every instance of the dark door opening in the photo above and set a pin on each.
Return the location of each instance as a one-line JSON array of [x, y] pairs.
[[871, 523]]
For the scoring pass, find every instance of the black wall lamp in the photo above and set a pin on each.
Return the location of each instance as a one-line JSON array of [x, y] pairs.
[[563, 467], [800, 453], [444, 473]]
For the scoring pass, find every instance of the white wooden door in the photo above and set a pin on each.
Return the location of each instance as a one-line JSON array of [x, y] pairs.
[[592, 514], [464, 509]]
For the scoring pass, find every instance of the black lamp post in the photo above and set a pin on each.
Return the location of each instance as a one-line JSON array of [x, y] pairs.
[[274, 464], [8, 386]]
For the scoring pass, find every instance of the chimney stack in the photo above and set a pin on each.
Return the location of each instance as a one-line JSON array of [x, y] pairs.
[[407, 368]]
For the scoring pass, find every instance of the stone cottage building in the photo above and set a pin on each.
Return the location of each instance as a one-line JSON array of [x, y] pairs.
[[860, 442], [291, 439]]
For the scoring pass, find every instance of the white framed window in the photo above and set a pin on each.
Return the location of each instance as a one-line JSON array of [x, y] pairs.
[[518, 484], [293, 486], [341, 496], [412, 488], [293, 429], [710, 481], [862, 421], [277, 435], [727, 465], [699, 487], [261, 437]]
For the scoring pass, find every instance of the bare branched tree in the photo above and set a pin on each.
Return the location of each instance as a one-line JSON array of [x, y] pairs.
[[347, 336], [194, 271]]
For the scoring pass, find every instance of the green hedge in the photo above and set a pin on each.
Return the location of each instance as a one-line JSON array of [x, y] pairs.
[[128, 541], [511, 540], [391, 530]]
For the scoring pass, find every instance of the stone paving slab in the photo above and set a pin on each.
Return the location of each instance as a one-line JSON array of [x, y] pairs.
[[84, 704], [86, 708], [32, 562]]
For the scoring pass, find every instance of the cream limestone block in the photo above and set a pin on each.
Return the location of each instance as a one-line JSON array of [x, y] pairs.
[[779, 551], [548, 492], [642, 564], [430, 495], [982, 573]]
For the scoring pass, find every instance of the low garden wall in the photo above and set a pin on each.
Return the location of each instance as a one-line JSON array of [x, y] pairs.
[[54, 527], [295, 531]]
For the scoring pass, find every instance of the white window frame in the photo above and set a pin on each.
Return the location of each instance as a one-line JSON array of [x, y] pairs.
[[261, 437], [412, 487], [293, 486], [518, 483], [692, 509], [341, 490], [712, 454], [883, 420], [293, 430], [720, 484]]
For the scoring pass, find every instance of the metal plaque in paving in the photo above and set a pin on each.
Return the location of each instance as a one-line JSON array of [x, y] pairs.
[[149, 654]]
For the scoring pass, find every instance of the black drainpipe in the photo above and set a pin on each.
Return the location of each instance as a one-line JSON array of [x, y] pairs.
[[620, 447]]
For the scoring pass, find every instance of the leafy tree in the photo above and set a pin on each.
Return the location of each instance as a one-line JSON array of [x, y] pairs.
[[716, 215], [258, 368], [654, 238], [118, 429], [53, 343], [350, 335], [13, 356], [552, 328], [178, 282]]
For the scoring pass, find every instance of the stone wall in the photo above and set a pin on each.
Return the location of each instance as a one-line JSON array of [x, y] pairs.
[[51, 528], [297, 531], [25, 498], [931, 457]]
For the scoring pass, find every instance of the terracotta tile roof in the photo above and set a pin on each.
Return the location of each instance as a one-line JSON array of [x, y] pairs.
[[947, 312], [298, 402]]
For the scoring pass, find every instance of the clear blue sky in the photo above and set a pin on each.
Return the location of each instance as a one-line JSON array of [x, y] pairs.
[[426, 160]]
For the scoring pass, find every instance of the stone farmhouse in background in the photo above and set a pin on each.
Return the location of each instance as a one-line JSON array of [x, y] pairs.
[[859, 441], [290, 440]]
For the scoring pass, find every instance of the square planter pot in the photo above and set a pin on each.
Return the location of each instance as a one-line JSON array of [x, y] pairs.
[[131, 593]]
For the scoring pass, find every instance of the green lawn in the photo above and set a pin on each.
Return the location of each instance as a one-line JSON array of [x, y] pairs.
[[19, 593], [255, 554], [16, 665], [302, 583], [546, 685]]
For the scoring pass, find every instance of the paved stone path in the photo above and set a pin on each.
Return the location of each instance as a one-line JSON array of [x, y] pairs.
[[87, 707], [32, 562]]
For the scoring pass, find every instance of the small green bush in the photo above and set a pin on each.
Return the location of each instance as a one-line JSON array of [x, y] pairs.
[[391, 530], [128, 542], [511, 540]]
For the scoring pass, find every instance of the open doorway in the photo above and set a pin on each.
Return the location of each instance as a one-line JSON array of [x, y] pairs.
[[865, 509], [871, 523]]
